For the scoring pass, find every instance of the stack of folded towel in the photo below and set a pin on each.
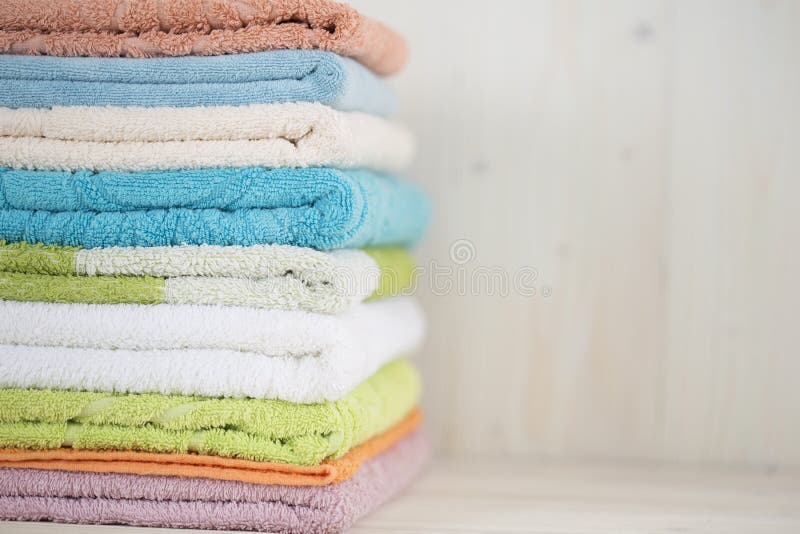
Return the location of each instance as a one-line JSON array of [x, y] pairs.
[[203, 265]]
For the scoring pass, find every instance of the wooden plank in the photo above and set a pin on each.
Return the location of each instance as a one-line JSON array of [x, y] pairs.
[[642, 156], [542, 141], [732, 342], [501, 496]]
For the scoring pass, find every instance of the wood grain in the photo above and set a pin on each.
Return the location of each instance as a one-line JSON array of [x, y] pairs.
[[643, 157]]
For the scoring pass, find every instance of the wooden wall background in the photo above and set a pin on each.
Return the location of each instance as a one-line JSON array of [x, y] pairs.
[[644, 157]]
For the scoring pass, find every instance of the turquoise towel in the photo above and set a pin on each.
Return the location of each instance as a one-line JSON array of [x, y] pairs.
[[238, 79], [310, 207]]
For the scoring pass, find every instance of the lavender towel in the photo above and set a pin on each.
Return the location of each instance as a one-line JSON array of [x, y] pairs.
[[159, 501]]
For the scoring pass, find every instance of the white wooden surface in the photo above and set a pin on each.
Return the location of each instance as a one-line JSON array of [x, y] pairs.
[[506, 497], [644, 157]]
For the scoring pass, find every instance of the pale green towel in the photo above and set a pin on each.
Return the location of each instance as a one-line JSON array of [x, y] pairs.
[[253, 429], [270, 276]]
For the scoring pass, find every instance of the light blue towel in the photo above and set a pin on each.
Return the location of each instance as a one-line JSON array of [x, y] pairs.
[[313, 207], [237, 79]]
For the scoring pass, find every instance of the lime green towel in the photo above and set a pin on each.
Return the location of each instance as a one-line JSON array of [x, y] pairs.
[[398, 271], [253, 429], [277, 277], [37, 259], [73, 289]]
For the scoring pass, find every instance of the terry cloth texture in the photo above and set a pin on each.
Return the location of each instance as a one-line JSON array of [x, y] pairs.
[[251, 429], [267, 276], [317, 208], [233, 80], [178, 28], [201, 503], [203, 350], [132, 139], [210, 467]]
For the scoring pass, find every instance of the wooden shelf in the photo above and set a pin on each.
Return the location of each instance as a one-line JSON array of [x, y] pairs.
[[495, 496]]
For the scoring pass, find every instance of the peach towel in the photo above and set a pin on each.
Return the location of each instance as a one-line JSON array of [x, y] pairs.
[[214, 467], [151, 28]]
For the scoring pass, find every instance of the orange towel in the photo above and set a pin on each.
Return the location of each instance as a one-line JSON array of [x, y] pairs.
[[214, 467], [154, 28]]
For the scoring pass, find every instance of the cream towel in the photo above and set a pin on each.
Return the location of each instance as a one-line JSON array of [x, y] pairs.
[[202, 350], [136, 139]]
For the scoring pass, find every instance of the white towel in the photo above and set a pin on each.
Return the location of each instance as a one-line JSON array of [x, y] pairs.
[[203, 350], [136, 139]]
